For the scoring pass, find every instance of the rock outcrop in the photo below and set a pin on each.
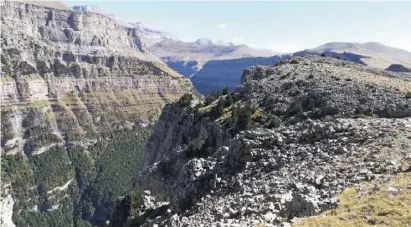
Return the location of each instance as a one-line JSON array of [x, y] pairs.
[[71, 81], [297, 135], [398, 68]]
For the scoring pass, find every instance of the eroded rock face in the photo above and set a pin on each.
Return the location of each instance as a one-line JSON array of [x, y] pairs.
[[6, 203], [356, 127], [68, 81], [82, 65]]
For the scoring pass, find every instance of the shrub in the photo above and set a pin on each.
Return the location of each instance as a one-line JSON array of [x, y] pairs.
[[408, 95], [279, 63], [244, 117], [211, 98], [136, 201], [218, 109], [234, 116], [294, 61], [186, 99], [229, 100], [272, 121], [225, 91]]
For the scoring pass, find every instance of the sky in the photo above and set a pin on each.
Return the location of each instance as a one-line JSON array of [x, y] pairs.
[[279, 26]]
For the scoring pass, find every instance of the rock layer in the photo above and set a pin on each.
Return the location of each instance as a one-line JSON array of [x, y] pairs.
[[60, 62], [71, 81]]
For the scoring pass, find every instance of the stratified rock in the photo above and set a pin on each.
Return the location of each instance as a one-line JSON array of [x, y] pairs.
[[84, 71]]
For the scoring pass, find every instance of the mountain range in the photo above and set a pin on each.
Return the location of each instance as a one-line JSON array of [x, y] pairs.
[[214, 65], [102, 124], [372, 53]]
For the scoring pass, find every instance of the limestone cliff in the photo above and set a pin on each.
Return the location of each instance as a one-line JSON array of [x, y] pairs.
[[74, 85], [76, 73]]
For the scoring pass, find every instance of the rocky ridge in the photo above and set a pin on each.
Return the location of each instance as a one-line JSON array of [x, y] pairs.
[[319, 125], [372, 54]]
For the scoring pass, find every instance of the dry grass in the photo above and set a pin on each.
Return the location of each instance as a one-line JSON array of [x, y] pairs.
[[6, 79], [50, 117], [168, 70], [374, 208], [38, 104], [388, 82]]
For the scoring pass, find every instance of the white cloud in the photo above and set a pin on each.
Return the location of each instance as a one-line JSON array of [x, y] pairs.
[[222, 26]]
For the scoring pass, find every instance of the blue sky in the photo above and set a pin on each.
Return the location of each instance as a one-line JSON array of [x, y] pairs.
[[280, 26]]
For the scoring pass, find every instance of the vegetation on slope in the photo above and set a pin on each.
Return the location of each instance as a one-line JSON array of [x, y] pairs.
[[371, 205], [96, 176]]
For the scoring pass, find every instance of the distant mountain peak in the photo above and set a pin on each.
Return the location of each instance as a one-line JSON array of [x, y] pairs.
[[92, 9], [373, 54], [337, 45], [222, 43], [204, 41]]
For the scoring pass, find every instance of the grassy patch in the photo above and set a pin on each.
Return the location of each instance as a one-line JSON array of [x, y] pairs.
[[6, 79], [381, 207], [38, 104]]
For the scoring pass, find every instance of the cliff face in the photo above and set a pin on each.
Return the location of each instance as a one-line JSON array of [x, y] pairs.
[[282, 146], [70, 80], [78, 66]]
